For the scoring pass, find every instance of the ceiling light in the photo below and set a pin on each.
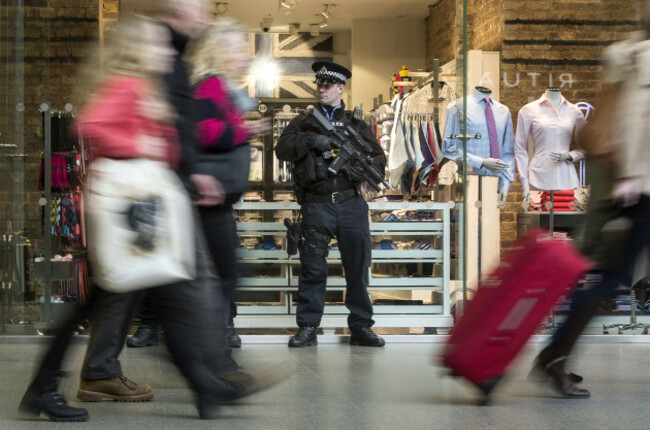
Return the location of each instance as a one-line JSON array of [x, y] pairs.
[[314, 29], [293, 29], [221, 9], [328, 10], [286, 6], [322, 23]]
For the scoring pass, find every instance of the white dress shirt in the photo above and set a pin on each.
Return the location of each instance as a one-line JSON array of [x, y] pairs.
[[479, 149], [551, 130]]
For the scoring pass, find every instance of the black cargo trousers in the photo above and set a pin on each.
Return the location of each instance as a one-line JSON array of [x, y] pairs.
[[348, 222]]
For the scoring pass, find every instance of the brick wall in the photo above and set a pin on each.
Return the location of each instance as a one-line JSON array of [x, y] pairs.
[[485, 24], [553, 43], [542, 43], [441, 32], [55, 38]]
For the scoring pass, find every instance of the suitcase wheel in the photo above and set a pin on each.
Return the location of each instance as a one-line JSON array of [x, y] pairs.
[[486, 387]]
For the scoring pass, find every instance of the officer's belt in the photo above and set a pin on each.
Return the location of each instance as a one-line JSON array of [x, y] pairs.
[[336, 197]]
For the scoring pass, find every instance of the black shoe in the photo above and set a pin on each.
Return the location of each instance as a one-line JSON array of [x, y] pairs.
[[563, 382], [537, 374], [53, 405], [306, 336], [365, 337], [210, 401], [146, 335], [233, 339]]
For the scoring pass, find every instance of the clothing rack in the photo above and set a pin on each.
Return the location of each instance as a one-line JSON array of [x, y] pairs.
[[66, 146]]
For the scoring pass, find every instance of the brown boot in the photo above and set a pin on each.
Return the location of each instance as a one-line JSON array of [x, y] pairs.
[[250, 381], [119, 389]]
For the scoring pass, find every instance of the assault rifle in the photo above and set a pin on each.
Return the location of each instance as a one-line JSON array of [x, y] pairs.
[[353, 152]]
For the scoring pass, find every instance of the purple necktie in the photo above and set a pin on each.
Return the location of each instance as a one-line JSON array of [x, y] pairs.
[[492, 130]]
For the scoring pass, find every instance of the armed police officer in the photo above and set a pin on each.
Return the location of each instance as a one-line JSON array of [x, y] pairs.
[[331, 206]]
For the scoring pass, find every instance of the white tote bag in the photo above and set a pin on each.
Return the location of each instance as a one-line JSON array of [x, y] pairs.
[[119, 264]]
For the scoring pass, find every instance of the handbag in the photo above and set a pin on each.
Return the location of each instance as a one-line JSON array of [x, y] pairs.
[[140, 225], [231, 169]]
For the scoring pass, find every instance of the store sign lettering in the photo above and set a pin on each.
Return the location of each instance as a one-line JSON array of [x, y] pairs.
[[536, 79]]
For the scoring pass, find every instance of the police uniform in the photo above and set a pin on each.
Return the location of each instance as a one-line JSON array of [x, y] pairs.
[[331, 206]]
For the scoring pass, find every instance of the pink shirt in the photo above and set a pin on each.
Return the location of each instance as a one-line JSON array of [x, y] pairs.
[[551, 130]]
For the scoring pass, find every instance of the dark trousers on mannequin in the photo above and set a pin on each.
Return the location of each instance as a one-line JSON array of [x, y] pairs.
[[348, 222], [190, 312], [618, 272], [221, 235]]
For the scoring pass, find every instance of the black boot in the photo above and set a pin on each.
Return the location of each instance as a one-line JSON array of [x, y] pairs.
[[553, 367], [51, 403], [146, 335], [306, 336], [364, 336], [233, 339]]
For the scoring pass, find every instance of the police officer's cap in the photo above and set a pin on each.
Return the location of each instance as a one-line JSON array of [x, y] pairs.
[[330, 73]]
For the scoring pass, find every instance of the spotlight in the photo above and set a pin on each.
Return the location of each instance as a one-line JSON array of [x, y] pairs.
[[314, 29], [221, 9], [265, 25], [322, 21], [328, 10], [293, 29]]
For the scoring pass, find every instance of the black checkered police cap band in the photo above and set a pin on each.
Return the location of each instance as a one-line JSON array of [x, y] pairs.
[[328, 73]]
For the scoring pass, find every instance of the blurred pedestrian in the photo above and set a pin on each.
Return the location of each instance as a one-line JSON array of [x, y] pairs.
[[126, 114], [219, 61], [617, 139]]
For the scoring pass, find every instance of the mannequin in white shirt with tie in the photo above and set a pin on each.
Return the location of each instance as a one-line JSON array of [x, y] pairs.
[[554, 97]]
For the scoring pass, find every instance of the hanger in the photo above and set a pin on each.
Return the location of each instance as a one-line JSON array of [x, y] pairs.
[[483, 90], [553, 89]]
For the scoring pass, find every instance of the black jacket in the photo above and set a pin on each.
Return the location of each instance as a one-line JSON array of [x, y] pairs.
[[293, 146], [180, 96]]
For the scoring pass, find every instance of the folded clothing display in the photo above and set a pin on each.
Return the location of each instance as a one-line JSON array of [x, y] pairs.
[[406, 215], [563, 201]]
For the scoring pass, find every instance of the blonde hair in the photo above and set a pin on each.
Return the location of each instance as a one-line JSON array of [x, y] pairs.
[[124, 53], [210, 53]]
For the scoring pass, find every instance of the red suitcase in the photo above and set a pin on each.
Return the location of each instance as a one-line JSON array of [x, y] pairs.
[[509, 306]]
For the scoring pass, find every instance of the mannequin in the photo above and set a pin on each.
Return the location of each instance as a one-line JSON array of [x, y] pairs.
[[553, 123], [554, 95], [480, 157]]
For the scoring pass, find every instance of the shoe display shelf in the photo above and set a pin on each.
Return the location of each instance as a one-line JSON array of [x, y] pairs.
[[401, 298]]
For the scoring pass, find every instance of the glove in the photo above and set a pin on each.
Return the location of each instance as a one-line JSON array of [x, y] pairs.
[[320, 143], [501, 199], [560, 156], [627, 191], [356, 175], [525, 200], [495, 165]]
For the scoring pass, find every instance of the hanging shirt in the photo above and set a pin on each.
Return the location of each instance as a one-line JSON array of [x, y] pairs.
[[551, 130], [397, 156], [479, 149], [409, 168]]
